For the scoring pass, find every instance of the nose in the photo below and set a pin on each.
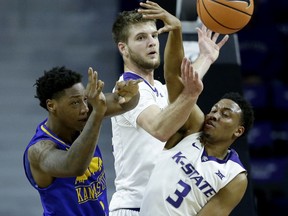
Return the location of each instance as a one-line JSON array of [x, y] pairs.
[[152, 41], [84, 107], [213, 116]]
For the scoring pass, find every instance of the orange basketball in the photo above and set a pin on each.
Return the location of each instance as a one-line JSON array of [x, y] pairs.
[[225, 16]]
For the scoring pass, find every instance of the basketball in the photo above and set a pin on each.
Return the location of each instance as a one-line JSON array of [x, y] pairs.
[[225, 16]]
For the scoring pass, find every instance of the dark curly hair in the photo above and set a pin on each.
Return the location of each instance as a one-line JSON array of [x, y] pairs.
[[124, 20], [53, 82], [247, 118]]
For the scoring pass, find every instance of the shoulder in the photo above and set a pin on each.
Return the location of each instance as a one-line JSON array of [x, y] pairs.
[[241, 178], [235, 157], [238, 184], [40, 148]]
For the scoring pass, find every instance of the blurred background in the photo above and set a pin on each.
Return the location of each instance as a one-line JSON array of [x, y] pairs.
[[38, 35]]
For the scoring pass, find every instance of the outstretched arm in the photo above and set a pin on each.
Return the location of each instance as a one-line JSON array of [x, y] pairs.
[[209, 52], [196, 117], [162, 124], [174, 51], [209, 49], [173, 66]]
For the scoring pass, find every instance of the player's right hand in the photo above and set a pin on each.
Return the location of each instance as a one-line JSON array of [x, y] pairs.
[[94, 93]]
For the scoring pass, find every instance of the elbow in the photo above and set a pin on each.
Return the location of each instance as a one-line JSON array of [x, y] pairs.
[[77, 169], [76, 165]]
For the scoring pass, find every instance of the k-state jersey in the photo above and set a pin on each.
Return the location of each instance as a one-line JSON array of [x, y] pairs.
[[135, 151], [185, 178]]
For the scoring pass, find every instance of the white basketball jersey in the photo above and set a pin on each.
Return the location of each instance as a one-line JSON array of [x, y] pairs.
[[185, 178], [135, 150]]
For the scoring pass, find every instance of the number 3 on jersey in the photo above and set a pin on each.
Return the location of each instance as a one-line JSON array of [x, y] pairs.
[[180, 194]]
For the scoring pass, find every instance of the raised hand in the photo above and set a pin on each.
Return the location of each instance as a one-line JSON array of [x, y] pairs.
[[126, 90], [94, 93], [193, 85], [153, 11], [207, 41]]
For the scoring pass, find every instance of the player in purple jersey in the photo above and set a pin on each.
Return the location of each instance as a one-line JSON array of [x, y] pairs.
[[62, 160]]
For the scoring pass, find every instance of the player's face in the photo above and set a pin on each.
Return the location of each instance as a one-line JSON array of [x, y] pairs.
[[143, 46], [223, 123], [72, 109]]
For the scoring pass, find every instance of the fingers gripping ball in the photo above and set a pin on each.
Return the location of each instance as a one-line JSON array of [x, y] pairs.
[[225, 16]]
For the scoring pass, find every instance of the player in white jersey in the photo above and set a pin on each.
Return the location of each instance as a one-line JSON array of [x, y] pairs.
[[134, 149], [139, 135], [185, 178], [198, 173]]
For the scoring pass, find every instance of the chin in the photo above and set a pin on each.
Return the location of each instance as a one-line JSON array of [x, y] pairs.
[[81, 126], [205, 135]]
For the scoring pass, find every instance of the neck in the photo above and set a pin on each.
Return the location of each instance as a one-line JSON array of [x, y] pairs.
[[146, 74], [216, 149], [60, 131]]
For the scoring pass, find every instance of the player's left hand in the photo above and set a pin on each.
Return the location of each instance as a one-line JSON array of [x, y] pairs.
[[126, 90], [208, 45], [94, 93]]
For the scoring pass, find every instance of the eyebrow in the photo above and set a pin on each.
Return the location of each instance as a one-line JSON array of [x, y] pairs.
[[225, 108], [75, 96], [145, 33]]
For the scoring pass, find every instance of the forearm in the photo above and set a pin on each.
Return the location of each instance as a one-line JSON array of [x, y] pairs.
[[82, 150], [173, 117], [173, 55], [202, 65]]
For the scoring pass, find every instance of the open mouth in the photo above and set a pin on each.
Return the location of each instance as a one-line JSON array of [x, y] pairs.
[[152, 53]]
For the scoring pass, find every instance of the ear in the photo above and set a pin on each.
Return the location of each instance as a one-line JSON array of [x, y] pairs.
[[122, 47], [51, 105], [239, 131]]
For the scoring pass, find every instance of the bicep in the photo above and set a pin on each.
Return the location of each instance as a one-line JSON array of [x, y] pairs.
[[227, 198]]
